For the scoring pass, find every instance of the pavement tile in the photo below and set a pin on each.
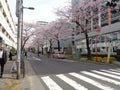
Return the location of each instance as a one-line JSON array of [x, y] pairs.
[[12, 85]]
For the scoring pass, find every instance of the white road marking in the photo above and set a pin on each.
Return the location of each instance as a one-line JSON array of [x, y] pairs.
[[71, 82], [90, 81], [101, 77], [118, 69], [51, 84], [115, 70], [110, 72], [106, 74], [65, 60], [36, 58]]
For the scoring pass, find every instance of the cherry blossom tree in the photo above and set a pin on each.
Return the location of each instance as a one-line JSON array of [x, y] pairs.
[[81, 13], [57, 30], [38, 38], [27, 33], [64, 12], [49, 37], [39, 42]]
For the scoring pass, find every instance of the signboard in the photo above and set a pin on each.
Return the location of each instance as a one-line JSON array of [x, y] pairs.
[[62, 44], [18, 7], [109, 16]]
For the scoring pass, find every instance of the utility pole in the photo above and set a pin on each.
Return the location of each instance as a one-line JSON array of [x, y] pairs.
[[19, 16]]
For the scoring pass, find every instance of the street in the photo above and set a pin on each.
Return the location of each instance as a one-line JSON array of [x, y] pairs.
[[63, 74]]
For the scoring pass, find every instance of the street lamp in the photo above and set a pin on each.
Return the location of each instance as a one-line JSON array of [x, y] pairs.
[[31, 8], [19, 14]]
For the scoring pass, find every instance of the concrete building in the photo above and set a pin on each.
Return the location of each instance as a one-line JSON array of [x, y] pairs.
[[109, 34], [42, 45], [7, 27]]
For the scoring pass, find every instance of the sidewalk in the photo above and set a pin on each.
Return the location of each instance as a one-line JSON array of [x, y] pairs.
[[30, 82], [7, 81]]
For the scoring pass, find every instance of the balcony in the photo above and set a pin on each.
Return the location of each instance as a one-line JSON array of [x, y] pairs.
[[104, 19]]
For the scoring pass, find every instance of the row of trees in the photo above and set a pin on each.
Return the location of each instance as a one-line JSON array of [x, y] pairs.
[[79, 13], [54, 32]]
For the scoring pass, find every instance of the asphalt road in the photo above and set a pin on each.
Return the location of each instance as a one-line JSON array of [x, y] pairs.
[[63, 74]]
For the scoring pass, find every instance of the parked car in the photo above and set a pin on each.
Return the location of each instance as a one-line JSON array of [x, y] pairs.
[[59, 55]]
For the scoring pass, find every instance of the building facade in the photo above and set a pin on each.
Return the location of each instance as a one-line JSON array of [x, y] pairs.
[[108, 34], [7, 27]]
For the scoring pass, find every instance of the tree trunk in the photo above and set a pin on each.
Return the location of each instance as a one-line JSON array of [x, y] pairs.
[[38, 50], [87, 40], [50, 47], [58, 45], [42, 50], [88, 48]]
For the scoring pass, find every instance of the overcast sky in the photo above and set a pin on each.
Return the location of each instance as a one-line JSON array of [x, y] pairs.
[[44, 9]]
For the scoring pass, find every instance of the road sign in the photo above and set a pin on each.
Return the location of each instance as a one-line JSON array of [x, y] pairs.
[[18, 7]]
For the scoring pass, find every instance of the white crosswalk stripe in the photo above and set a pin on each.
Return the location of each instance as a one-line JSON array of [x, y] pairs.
[[90, 81], [118, 69], [71, 82], [110, 72], [106, 74], [101, 77], [93, 77], [51, 84], [114, 70]]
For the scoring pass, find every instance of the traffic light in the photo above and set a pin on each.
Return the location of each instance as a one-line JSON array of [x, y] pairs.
[[111, 3], [108, 4], [114, 3]]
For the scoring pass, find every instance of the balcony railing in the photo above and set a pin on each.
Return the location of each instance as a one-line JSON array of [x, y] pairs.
[[104, 19]]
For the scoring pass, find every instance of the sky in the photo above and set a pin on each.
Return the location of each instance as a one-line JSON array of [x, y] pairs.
[[44, 9]]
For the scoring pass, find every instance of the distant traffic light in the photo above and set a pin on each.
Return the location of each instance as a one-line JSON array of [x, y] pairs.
[[114, 3], [108, 4], [111, 3]]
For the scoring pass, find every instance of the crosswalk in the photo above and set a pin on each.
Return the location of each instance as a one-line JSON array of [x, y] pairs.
[[103, 79]]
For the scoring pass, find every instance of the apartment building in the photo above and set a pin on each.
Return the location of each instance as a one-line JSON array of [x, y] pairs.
[[109, 33], [7, 26]]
